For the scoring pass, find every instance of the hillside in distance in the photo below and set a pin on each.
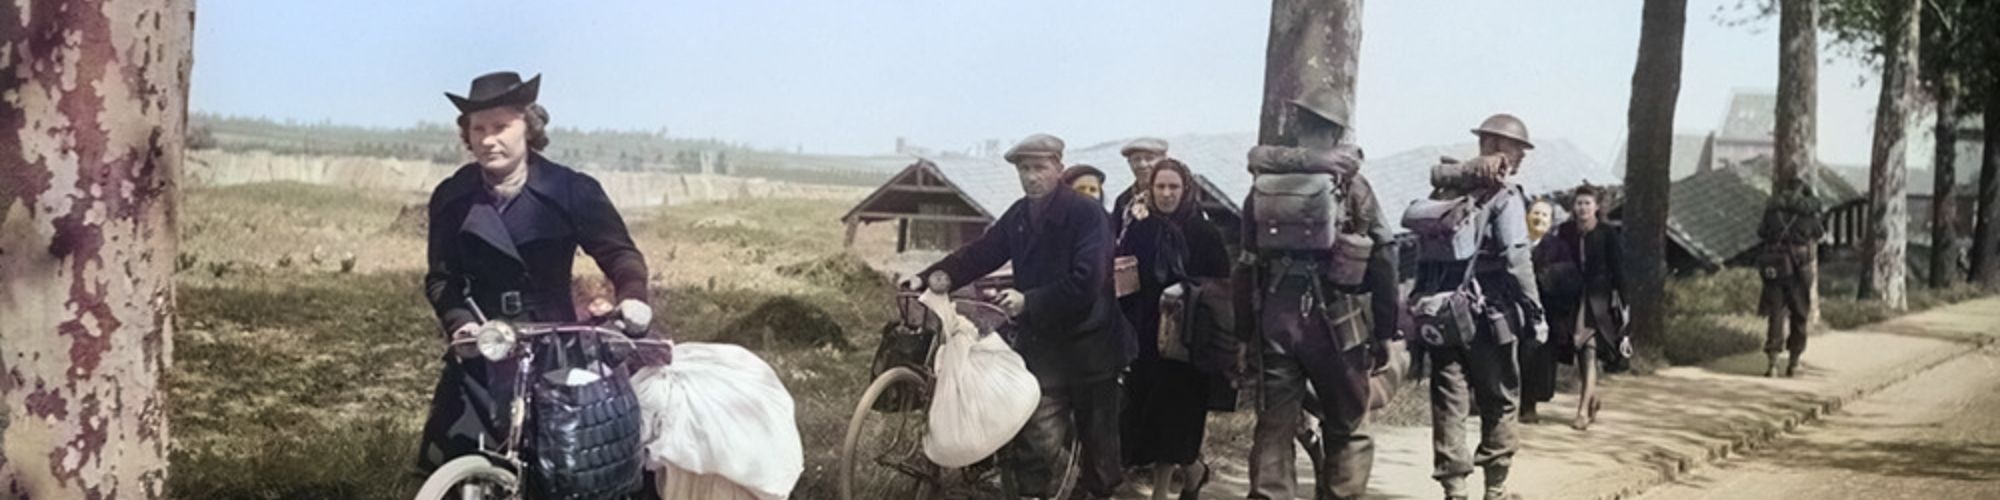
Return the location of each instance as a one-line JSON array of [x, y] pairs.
[[603, 150]]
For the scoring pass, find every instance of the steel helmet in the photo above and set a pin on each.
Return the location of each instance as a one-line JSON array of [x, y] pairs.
[[1328, 105], [1505, 125]]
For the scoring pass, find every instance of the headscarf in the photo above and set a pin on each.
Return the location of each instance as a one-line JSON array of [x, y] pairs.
[[1172, 246]]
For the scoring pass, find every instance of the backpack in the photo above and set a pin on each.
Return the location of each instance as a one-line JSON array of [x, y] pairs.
[[1449, 230], [1299, 204]]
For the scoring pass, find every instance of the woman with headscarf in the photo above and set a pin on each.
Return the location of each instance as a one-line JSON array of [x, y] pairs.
[[1169, 388]]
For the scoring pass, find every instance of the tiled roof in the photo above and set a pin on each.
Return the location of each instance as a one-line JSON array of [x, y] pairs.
[[990, 183], [1715, 214], [1686, 156], [1219, 158]]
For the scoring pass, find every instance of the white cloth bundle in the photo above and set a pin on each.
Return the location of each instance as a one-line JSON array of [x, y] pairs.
[[984, 391], [719, 412]]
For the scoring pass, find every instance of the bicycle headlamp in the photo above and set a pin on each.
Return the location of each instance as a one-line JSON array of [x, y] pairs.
[[495, 340]]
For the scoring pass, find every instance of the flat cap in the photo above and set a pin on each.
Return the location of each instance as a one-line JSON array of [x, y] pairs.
[[1152, 144], [1036, 146]]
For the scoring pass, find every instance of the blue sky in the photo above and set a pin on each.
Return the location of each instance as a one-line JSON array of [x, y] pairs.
[[850, 77]]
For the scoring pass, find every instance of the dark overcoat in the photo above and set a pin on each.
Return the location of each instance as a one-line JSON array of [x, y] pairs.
[[1071, 329], [513, 259]]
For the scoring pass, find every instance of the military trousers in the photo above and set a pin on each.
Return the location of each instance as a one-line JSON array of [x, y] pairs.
[[1296, 350], [1786, 304], [1487, 374]]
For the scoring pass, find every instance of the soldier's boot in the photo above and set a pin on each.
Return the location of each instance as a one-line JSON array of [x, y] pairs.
[[1454, 488], [1528, 415], [1496, 483], [1792, 367], [1771, 370]]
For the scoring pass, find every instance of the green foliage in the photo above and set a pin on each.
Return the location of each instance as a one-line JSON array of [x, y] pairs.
[[1729, 291]]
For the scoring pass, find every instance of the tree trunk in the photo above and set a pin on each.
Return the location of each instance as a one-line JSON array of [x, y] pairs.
[[91, 130], [1888, 210], [1944, 196], [1656, 86], [1798, 97], [1313, 44], [1986, 234]]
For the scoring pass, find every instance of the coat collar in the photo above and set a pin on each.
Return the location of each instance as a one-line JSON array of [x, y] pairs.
[[545, 178]]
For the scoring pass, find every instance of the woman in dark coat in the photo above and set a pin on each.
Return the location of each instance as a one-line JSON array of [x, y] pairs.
[[1168, 399], [1586, 318], [503, 236], [1539, 358]]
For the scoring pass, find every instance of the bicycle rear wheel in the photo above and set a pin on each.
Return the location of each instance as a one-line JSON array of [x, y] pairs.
[[882, 454]]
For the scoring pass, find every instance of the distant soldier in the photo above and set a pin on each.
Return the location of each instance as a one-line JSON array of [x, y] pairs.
[[1475, 293], [1791, 226]]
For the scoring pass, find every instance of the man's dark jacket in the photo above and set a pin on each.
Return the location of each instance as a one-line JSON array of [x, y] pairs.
[[1072, 331]]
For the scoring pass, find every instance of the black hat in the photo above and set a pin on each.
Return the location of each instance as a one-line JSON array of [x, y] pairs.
[[499, 88]]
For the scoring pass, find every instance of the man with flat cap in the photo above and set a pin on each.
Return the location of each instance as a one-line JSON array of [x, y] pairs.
[[1071, 333], [503, 234], [1130, 205], [1317, 288]]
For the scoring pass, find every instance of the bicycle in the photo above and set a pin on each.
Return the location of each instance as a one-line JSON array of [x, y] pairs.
[[883, 448], [496, 473]]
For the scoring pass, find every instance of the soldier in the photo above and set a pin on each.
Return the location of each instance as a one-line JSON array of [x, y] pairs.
[[1791, 226], [1504, 303], [1130, 205], [1309, 293]]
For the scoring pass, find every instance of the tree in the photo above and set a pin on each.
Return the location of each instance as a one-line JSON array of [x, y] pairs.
[[92, 132], [1888, 210], [1982, 83], [1798, 93], [1649, 118], [1313, 44], [1939, 76], [1986, 237], [1957, 36]]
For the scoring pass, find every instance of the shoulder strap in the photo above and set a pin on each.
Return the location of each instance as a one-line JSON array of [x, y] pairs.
[[1483, 214]]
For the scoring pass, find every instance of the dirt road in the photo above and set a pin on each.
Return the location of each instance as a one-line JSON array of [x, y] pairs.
[[1936, 435]]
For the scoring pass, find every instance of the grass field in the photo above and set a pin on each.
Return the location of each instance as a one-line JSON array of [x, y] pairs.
[[295, 380]]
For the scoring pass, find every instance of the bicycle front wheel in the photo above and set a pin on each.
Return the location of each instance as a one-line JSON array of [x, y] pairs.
[[470, 477], [882, 454]]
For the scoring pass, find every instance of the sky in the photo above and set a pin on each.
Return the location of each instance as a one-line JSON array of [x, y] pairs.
[[851, 77]]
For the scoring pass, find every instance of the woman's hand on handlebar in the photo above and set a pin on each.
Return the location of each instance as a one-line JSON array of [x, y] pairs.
[[634, 317], [462, 341]]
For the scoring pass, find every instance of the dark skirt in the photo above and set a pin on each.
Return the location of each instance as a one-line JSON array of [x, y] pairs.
[[467, 410], [1166, 412]]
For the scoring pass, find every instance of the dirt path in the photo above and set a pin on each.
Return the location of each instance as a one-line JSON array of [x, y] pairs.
[[1936, 435]]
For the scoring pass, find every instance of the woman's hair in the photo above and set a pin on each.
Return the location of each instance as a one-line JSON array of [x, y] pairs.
[[1189, 194], [1594, 192], [533, 113]]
